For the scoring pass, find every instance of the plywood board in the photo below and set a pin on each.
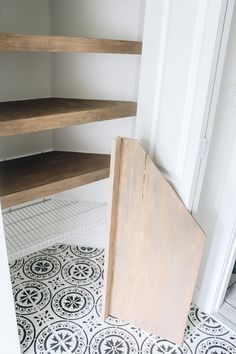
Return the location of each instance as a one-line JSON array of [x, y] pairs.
[[154, 247]]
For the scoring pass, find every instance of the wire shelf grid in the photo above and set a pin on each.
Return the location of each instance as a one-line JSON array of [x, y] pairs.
[[42, 224]]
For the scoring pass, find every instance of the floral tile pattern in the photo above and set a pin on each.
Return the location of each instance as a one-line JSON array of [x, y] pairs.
[[58, 302]]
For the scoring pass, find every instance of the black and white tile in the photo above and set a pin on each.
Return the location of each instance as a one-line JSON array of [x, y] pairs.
[[58, 302]]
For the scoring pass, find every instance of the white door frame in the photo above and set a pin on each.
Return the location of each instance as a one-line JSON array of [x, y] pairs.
[[227, 13], [210, 32], [223, 249], [191, 109]]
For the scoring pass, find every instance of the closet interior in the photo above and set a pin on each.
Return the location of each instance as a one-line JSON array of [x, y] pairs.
[[69, 85], [70, 74]]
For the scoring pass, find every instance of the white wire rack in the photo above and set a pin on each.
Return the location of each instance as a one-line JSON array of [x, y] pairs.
[[39, 225]]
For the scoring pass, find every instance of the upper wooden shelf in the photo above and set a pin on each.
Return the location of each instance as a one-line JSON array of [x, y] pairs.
[[12, 42], [28, 178], [27, 116]]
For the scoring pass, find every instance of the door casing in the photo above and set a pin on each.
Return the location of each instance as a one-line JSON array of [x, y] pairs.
[[157, 117]]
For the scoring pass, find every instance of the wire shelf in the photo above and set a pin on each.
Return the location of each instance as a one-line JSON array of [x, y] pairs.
[[42, 224]]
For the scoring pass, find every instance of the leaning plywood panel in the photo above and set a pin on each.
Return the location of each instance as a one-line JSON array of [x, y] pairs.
[[154, 247]]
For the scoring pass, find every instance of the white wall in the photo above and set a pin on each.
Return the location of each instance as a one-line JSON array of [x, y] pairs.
[[24, 75], [101, 76], [221, 147], [8, 328]]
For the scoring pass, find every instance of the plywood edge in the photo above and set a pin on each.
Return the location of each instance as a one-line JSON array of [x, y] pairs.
[[112, 217]]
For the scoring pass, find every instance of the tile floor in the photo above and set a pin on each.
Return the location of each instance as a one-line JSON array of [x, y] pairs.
[[57, 294]]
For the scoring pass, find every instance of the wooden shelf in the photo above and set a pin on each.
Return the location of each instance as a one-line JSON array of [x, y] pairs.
[[12, 42], [18, 117], [37, 176]]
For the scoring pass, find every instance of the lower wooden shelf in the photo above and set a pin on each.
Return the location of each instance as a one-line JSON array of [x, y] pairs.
[[37, 176]]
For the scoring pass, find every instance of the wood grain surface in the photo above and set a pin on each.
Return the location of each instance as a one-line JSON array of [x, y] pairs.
[[155, 248], [28, 178], [14, 42], [27, 116]]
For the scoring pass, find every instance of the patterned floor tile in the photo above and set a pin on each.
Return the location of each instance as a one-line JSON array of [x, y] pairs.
[[61, 252], [96, 288], [154, 345], [31, 296], [72, 303], [138, 333], [204, 323], [92, 323], [81, 272], [17, 273], [113, 340], [215, 345], [62, 337], [58, 301], [16, 265], [56, 249], [230, 337], [41, 267], [27, 333], [56, 283], [192, 335], [87, 252], [25, 299]]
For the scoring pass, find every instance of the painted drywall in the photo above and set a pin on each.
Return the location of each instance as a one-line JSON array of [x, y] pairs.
[[25, 75], [101, 76], [223, 139], [22, 75]]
